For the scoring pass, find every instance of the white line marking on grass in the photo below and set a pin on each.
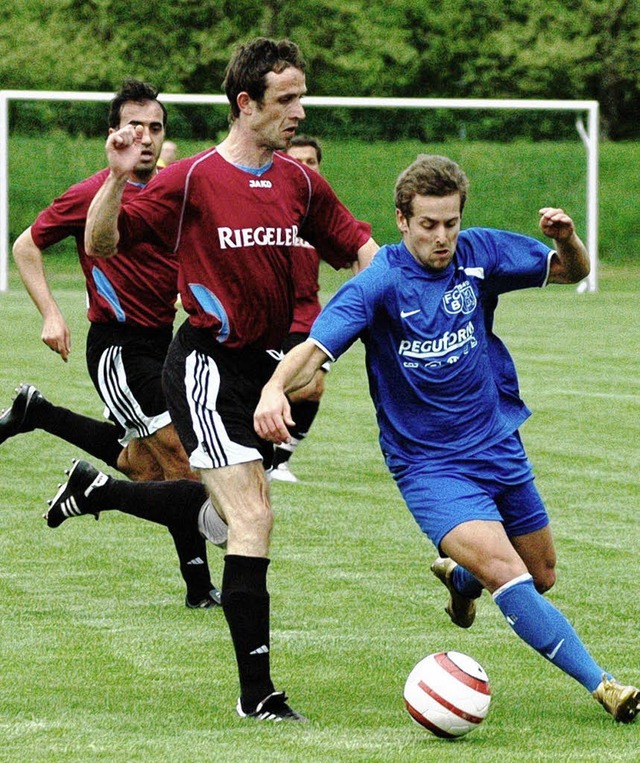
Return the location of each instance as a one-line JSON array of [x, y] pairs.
[[583, 393]]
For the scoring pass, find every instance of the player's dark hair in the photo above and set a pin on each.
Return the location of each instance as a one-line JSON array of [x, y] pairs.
[[136, 91], [307, 140], [430, 175], [248, 68]]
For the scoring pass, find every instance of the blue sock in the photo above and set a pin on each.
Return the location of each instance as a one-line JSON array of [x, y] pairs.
[[547, 630], [464, 582]]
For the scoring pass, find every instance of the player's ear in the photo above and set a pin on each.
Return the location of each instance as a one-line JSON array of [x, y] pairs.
[[401, 222], [245, 102]]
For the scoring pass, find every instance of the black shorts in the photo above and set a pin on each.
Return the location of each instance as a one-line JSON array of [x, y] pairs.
[[125, 364], [212, 392]]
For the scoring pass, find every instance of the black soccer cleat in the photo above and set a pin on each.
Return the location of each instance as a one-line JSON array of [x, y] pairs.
[[73, 498], [15, 419], [272, 708], [211, 600]]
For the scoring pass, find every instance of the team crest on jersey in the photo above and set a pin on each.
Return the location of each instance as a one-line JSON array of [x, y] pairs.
[[460, 299], [260, 184]]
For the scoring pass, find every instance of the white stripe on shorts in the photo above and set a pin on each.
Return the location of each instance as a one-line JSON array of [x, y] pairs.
[[119, 400], [215, 447]]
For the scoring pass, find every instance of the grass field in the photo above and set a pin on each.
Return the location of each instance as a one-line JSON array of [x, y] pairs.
[[99, 660]]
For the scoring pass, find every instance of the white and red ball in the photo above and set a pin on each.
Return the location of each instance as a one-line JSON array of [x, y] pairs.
[[448, 693]]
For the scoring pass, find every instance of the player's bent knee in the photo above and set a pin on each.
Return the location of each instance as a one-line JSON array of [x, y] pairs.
[[249, 533], [545, 580], [138, 470]]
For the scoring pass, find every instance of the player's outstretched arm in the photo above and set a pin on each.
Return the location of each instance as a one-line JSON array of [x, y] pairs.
[[570, 263], [28, 258], [273, 412], [123, 152]]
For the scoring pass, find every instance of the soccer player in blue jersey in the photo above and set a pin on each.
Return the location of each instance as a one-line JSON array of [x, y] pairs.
[[446, 396]]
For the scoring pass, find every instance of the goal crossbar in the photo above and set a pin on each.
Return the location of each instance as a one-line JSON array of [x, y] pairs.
[[588, 135]]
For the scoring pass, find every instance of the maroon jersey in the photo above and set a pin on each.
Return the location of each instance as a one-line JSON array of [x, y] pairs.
[[306, 305], [136, 286], [236, 235]]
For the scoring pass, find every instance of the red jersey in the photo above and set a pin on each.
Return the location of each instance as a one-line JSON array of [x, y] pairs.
[[236, 235], [136, 286], [306, 305]]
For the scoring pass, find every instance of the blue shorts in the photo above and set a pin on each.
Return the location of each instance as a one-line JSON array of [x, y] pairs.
[[494, 485]]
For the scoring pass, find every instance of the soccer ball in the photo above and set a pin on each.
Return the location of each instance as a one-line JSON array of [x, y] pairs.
[[448, 694]]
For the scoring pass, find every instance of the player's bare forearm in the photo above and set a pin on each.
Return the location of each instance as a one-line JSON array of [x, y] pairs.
[[299, 366], [570, 263], [28, 258], [365, 255], [101, 231], [273, 412], [123, 152]]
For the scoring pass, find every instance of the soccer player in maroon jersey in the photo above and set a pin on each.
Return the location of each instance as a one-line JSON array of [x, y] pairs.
[[131, 309], [234, 216]]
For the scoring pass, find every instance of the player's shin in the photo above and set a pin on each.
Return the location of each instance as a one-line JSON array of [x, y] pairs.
[[245, 601], [537, 622]]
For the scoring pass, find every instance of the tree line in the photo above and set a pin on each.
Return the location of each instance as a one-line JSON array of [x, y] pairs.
[[560, 49]]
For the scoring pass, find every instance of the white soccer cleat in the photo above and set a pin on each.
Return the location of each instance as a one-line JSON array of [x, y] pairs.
[[282, 473]]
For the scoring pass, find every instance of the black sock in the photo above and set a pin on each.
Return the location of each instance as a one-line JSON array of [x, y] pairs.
[[280, 456], [98, 438], [245, 601], [176, 505], [303, 413], [191, 548], [167, 503]]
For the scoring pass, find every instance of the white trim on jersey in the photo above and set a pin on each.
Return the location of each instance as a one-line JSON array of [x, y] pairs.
[[185, 195], [549, 258], [120, 401], [320, 346], [215, 447], [298, 165]]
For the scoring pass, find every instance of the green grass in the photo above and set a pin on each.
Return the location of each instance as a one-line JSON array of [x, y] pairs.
[[99, 660]]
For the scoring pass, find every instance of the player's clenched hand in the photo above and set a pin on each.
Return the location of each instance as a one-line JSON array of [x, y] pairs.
[[556, 224], [273, 415], [124, 147]]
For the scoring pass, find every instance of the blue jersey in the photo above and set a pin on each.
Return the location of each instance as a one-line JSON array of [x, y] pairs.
[[443, 384]]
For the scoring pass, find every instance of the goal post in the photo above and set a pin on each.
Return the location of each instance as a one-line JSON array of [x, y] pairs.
[[588, 135]]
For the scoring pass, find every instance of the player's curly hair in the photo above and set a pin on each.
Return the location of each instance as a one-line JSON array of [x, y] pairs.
[[430, 175], [136, 91], [248, 68]]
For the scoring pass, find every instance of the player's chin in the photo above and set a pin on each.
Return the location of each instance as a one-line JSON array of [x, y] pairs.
[[441, 259], [287, 137], [146, 166]]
